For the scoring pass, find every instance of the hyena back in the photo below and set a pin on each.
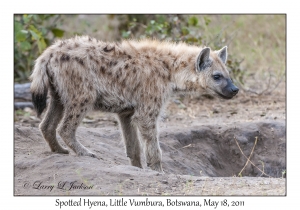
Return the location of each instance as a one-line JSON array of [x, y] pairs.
[[132, 79]]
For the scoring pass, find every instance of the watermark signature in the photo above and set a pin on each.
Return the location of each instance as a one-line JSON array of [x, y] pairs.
[[62, 185]]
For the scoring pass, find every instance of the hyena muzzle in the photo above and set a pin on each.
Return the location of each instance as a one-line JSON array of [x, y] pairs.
[[132, 79]]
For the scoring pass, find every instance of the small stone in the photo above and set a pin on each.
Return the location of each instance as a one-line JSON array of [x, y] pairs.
[[164, 181]]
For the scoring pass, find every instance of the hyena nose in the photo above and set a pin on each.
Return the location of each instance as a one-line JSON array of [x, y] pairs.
[[235, 90]]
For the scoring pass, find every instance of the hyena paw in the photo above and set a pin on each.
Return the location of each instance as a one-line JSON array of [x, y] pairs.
[[136, 163], [87, 153], [61, 150], [156, 167], [92, 155]]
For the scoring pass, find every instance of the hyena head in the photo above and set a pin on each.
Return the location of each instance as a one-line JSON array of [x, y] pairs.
[[213, 74]]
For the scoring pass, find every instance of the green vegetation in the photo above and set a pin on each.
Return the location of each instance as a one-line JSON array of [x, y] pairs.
[[184, 28], [163, 27], [256, 43], [32, 36]]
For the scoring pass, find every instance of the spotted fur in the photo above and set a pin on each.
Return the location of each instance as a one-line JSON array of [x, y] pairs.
[[132, 79]]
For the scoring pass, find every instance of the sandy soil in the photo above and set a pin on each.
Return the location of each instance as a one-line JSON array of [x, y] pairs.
[[204, 141]]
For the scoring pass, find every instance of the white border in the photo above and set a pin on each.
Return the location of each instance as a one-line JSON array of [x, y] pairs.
[[8, 201]]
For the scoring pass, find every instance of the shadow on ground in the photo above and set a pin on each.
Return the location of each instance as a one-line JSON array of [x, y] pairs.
[[194, 159]]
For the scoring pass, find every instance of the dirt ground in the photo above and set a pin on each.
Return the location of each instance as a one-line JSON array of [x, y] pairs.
[[204, 142]]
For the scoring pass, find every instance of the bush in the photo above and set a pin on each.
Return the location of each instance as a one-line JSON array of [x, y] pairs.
[[185, 28], [163, 27], [32, 34]]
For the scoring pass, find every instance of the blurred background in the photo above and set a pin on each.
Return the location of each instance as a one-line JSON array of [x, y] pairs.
[[256, 43], [256, 47]]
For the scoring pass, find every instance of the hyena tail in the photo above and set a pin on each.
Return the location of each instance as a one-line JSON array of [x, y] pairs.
[[39, 84]]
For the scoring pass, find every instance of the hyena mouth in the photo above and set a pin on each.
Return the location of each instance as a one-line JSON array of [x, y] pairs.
[[223, 96]]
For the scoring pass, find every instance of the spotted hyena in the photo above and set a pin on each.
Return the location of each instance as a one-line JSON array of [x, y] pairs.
[[132, 79]]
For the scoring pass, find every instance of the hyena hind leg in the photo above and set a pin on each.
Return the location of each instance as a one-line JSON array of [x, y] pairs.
[[72, 117], [132, 143], [49, 124]]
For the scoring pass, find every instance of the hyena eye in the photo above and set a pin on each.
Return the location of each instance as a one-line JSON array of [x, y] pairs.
[[217, 76]]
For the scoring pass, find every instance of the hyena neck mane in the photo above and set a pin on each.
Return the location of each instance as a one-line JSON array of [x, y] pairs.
[[178, 58]]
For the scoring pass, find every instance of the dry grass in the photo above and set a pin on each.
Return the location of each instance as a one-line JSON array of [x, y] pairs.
[[248, 159], [258, 40]]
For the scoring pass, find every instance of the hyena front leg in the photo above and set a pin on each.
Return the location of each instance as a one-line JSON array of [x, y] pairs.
[[49, 124], [72, 117], [148, 129], [131, 140]]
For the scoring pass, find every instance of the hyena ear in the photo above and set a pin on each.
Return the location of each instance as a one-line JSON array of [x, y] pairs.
[[223, 54], [203, 60]]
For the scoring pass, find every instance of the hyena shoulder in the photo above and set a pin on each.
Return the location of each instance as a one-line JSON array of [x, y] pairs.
[[132, 79]]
